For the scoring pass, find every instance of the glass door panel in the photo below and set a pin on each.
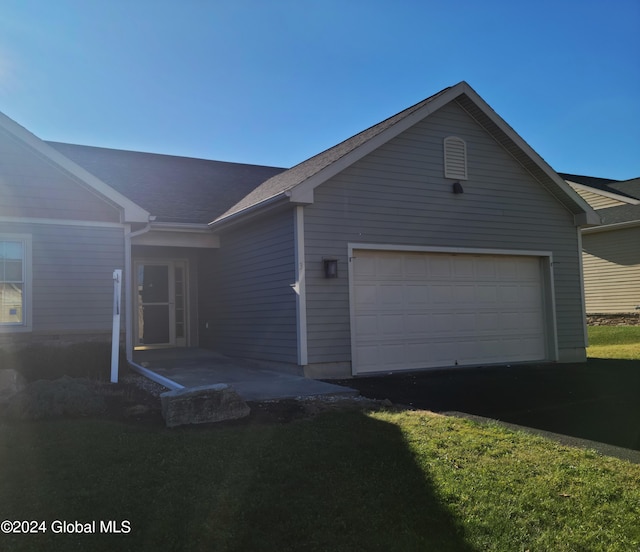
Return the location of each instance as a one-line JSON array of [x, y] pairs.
[[161, 304], [154, 304]]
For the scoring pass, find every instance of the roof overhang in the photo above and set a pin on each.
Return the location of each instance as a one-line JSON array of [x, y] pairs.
[[130, 211], [478, 109], [268, 205], [612, 227], [166, 234]]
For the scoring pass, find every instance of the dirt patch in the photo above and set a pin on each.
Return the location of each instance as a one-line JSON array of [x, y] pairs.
[[136, 400]]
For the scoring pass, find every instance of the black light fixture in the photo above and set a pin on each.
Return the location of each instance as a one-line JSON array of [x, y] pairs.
[[457, 188], [330, 268]]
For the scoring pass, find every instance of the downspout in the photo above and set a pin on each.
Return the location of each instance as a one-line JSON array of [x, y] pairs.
[[128, 288]]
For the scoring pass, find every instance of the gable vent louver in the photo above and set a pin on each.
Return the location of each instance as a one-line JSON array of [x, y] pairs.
[[455, 158]]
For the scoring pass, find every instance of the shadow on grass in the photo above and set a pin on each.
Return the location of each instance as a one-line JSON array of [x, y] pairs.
[[340, 482], [597, 400]]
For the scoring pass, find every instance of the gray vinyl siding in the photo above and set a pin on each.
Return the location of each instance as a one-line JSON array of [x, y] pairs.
[[612, 270], [248, 303], [72, 276], [398, 195], [598, 201], [33, 187]]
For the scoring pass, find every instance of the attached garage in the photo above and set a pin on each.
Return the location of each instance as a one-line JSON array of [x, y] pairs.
[[413, 309]]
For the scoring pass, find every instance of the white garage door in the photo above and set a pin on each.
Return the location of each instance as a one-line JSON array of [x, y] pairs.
[[420, 310]]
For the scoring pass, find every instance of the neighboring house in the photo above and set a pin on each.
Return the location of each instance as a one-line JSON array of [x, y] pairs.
[[437, 237], [611, 252]]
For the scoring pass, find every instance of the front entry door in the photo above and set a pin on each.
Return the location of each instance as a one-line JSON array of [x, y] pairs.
[[160, 304]]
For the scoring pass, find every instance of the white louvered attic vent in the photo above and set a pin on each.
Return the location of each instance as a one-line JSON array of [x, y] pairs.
[[455, 158]]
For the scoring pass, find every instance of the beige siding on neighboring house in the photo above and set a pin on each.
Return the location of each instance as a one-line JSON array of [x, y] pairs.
[[598, 201], [612, 270], [398, 195], [33, 187]]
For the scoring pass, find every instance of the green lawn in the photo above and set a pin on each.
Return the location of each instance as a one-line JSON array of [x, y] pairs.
[[621, 342], [339, 482]]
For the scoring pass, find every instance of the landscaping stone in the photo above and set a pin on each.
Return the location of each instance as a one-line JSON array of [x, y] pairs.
[[11, 381], [199, 405], [624, 319]]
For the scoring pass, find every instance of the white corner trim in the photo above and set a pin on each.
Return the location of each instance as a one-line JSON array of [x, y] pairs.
[[300, 286], [583, 301]]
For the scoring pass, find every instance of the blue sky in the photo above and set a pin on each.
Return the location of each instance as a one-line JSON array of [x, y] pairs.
[[276, 81]]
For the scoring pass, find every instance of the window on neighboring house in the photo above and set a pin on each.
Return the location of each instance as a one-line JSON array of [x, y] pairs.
[[455, 158], [14, 252]]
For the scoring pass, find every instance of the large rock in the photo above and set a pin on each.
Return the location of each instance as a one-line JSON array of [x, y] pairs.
[[200, 405]]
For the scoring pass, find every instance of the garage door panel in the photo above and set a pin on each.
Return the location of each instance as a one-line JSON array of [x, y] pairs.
[[439, 267], [366, 326], [419, 310], [391, 296], [463, 268], [365, 296], [391, 325]]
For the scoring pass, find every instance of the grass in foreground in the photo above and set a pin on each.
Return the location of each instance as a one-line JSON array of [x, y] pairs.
[[622, 342], [340, 482]]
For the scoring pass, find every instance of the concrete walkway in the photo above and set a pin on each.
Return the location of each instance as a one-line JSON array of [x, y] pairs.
[[252, 380]]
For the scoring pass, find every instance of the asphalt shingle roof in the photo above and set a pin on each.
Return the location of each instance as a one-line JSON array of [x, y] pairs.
[[287, 180], [171, 188], [621, 213]]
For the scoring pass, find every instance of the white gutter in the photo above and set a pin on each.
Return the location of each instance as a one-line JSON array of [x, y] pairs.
[[614, 226]]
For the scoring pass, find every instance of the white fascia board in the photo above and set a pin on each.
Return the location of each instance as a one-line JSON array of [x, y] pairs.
[[178, 235], [584, 206], [611, 227], [132, 212], [247, 213], [303, 192], [610, 195]]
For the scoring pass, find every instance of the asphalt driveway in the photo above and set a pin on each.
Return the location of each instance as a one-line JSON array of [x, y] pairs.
[[599, 400]]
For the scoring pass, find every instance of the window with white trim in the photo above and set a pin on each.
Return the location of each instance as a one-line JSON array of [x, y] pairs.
[[455, 158], [14, 281]]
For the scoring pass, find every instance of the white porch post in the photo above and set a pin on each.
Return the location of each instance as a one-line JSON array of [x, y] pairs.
[[115, 332]]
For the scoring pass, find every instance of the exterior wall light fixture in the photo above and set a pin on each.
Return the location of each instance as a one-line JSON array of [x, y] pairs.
[[330, 268], [457, 188]]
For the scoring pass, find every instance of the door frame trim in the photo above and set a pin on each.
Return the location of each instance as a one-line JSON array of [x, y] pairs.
[[171, 262]]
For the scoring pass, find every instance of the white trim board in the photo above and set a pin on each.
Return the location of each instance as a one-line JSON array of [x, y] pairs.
[[60, 222], [300, 287], [436, 249], [131, 211]]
